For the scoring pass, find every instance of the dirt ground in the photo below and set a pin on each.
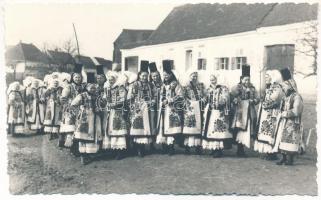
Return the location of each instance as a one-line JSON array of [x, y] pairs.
[[36, 165]]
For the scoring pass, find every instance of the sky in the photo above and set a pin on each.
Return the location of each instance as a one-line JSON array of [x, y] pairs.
[[97, 25]]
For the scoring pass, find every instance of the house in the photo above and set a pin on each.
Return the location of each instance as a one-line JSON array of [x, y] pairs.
[[107, 64], [220, 38], [89, 66], [129, 38], [27, 60], [63, 61]]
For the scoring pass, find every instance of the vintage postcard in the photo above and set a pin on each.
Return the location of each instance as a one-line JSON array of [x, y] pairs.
[[167, 98]]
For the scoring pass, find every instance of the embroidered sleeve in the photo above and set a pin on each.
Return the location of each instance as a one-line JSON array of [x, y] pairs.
[[132, 91], [77, 100], [122, 93], [297, 109], [273, 98]]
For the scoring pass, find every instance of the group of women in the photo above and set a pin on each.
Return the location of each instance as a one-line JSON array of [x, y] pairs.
[[122, 111]]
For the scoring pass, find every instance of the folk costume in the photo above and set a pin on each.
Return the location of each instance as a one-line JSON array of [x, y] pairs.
[[53, 108], [156, 81], [269, 109], [141, 99], [244, 98], [70, 113], [16, 109], [116, 121], [170, 120], [194, 95], [89, 127], [35, 108], [216, 119], [289, 128]]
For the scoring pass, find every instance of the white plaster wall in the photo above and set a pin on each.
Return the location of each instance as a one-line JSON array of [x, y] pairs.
[[248, 44]]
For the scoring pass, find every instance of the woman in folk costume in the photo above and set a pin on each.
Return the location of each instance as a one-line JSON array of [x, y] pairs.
[[70, 113], [194, 95], [141, 100], [171, 107], [156, 81], [101, 79], [216, 118], [116, 122], [89, 126], [35, 108], [16, 109], [268, 111], [244, 98], [289, 127], [53, 108]]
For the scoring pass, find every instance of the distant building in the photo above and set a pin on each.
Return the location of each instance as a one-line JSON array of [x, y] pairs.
[[107, 64], [63, 61], [27, 60], [220, 38], [129, 38]]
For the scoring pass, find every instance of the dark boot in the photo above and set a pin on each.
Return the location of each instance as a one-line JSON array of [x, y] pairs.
[[83, 159], [141, 150], [240, 150], [198, 150], [152, 148], [283, 160], [272, 156], [164, 148], [217, 153], [289, 159], [187, 150], [50, 136], [120, 155], [61, 141], [171, 150]]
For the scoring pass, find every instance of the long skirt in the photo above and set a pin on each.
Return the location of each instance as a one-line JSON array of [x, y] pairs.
[[244, 137], [192, 128]]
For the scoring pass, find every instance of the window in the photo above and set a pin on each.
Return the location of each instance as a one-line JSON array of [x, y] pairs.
[[223, 63], [237, 62], [188, 59], [201, 64], [131, 64]]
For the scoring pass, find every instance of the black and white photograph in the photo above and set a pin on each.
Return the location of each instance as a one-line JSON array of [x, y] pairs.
[[215, 98]]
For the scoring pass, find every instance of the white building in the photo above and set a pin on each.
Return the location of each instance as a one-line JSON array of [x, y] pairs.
[[219, 38]]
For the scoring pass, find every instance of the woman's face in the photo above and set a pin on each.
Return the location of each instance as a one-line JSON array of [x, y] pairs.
[[111, 80], [16, 87], [194, 77], [213, 80], [92, 89], [55, 83], [246, 81], [35, 84], [285, 86], [100, 79], [267, 79], [143, 76], [155, 76], [166, 76], [77, 78]]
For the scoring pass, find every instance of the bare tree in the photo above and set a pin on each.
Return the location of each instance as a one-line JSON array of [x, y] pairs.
[[70, 46], [309, 43]]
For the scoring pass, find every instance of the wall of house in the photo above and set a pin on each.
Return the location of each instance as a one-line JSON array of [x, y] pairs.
[[248, 44]]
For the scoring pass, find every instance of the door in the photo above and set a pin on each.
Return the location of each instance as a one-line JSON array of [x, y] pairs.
[[279, 56]]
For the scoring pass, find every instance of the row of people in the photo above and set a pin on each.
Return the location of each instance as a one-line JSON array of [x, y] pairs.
[[144, 110]]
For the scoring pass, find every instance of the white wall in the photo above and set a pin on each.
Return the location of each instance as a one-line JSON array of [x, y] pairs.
[[248, 44]]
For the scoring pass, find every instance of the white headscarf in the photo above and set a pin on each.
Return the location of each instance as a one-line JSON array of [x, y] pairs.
[[27, 81], [131, 76], [109, 75], [12, 87]]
